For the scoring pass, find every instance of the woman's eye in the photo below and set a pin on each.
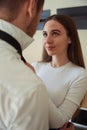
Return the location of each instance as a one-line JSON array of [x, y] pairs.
[[55, 34], [44, 34]]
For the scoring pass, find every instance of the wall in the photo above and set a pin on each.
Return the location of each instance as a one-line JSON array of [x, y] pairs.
[[33, 52]]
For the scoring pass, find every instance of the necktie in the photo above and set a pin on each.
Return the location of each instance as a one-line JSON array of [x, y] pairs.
[[13, 42]]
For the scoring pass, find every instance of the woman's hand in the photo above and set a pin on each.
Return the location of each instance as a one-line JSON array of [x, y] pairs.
[[30, 66], [68, 126]]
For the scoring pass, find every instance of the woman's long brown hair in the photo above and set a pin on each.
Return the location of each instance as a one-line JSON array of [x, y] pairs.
[[74, 51]]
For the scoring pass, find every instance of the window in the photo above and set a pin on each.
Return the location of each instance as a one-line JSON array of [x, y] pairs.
[[44, 15], [79, 14]]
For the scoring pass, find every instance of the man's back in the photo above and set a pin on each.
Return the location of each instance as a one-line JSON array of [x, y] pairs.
[[23, 99]]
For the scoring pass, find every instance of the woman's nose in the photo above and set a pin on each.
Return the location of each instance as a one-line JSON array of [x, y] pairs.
[[49, 39]]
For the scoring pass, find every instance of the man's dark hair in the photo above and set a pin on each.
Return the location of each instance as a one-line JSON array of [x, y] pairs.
[[40, 4], [14, 6], [11, 5]]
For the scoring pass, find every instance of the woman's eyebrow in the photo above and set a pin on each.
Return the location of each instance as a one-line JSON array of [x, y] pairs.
[[56, 30], [43, 31]]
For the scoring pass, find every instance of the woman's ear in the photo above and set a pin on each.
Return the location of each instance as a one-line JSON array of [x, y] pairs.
[[32, 8], [69, 42]]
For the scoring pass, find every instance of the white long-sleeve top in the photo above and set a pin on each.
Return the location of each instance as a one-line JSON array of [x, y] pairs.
[[23, 97], [66, 86]]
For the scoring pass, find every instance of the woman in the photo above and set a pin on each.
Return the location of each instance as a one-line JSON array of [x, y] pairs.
[[62, 67]]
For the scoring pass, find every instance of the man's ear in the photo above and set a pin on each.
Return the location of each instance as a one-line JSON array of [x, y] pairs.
[[32, 7]]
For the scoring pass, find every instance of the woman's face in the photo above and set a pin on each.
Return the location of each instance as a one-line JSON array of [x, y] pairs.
[[55, 38]]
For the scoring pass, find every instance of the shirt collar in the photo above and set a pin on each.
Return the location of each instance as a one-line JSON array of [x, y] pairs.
[[17, 33]]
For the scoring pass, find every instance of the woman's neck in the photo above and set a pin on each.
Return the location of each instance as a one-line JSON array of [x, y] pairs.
[[57, 62]]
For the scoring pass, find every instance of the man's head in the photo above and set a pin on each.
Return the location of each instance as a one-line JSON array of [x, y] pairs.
[[22, 13]]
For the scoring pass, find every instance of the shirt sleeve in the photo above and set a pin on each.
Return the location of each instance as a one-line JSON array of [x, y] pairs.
[[60, 115], [63, 113]]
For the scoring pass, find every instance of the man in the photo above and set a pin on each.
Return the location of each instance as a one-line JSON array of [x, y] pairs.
[[23, 98]]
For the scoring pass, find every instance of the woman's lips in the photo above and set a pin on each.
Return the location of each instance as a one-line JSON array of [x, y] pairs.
[[50, 47]]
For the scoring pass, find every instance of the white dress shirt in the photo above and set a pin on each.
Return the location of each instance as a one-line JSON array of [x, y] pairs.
[[23, 97]]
